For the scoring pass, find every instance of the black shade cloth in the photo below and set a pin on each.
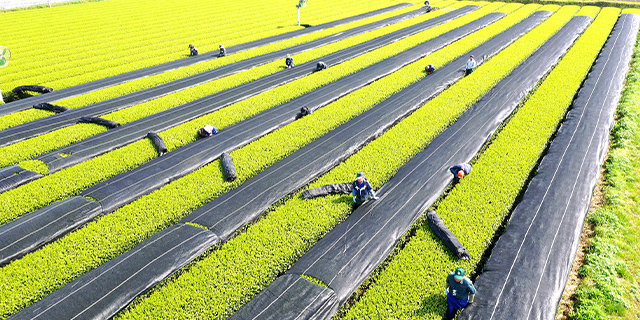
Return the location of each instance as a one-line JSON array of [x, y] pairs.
[[35, 229], [323, 306], [102, 292], [228, 168], [161, 147], [24, 104], [38, 89], [327, 189], [136, 130], [50, 107], [14, 176], [348, 254], [526, 273], [27, 130], [446, 236], [128, 186], [103, 122]]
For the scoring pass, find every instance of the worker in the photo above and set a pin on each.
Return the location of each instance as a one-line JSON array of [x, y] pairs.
[[223, 51], [430, 69], [471, 64], [194, 51], [207, 131], [362, 189], [289, 62], [460, 292], [428, 7], [460, 170], [321, 66], [304, 111]]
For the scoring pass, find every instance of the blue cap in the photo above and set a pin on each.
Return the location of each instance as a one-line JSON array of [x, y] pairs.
[[360, 175]]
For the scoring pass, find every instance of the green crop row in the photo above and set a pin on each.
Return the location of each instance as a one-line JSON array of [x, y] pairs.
[[176, 48], [149, 82], [220, 283], [477, 206], [73, 180], [37, 273], [39, 145]]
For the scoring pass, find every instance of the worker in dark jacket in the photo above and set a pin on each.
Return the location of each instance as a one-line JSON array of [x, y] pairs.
[[304, 111], [430, 69], [207, 131], [460, 170], [428, 7], [460, 292], [194, 51], [289, 62], [223, 51], [362, 189], [321, 66]]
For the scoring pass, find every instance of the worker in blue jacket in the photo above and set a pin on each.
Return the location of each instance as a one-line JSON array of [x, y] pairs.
[[460, 292], [460, 170], [193, 50], [362, 189], [289, 62], [223, 51]]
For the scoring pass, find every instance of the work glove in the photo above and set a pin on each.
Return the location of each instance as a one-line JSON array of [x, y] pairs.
[[374, 198], [446, 291], [354, 198], [471, 298]]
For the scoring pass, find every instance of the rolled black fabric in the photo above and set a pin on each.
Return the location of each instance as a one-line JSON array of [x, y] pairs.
[[104, 122], [327, 189], [228, 168], [447, 237], [50, 107], [38, 89], [158, 142]]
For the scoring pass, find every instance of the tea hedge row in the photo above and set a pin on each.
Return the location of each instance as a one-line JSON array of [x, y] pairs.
[[477, 206], [73, 180]]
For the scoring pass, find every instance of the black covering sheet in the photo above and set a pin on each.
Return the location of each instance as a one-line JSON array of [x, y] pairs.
[[136, 130], [228, 168], [34, 88], [35, 229], [161, 147], [128, 186], [55, 122], [526, 273], [292, 286], [336, 188], [433, 84], [103, 122], [446, 236], [102, 292], [24, 104], [348, 254], [14, 176], [50, 107]]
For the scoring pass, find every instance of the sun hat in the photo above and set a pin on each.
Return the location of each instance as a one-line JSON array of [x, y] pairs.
[[461, 174]]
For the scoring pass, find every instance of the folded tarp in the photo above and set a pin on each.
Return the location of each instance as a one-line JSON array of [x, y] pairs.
[[158, 142], [446, 236], [91, 296], [526, 273], [348, 254], [228, 168], [27, 130], [233, 137], [227, 213], [336, 188], [14, 176], [103, 122], [38, 89], [161, 121], [26, 233], [50, 107], [24, 104]]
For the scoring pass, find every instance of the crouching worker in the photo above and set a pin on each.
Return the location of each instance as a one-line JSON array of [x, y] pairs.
[[470, 66], [223, 51], [194, 51], [207, 131], [460, 170], [362, 189], [321, 66], [460, 292], [430, 69], [428, 7], [289, 62], [304, 111]]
